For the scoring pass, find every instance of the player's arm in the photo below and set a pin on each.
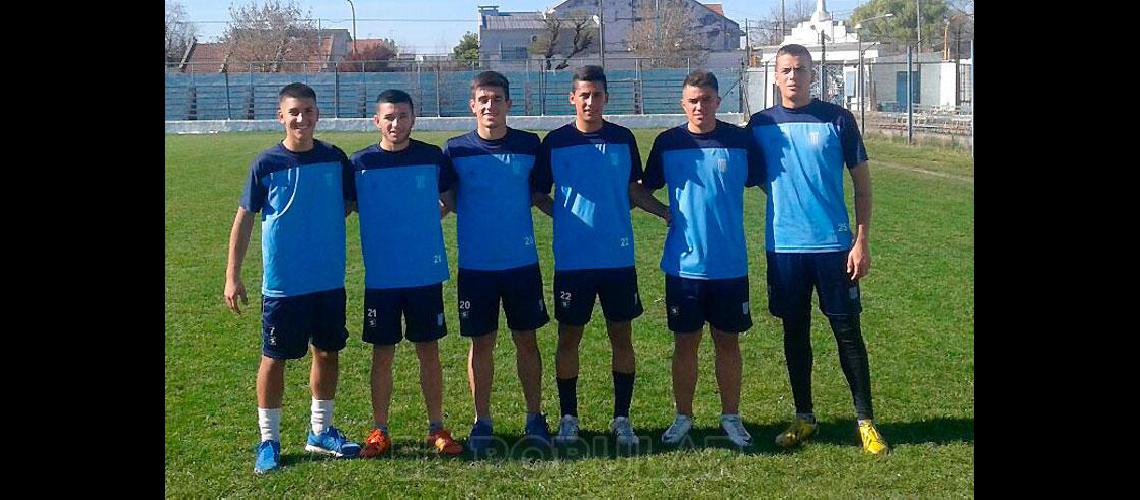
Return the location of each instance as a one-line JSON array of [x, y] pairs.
[[643, 198], [447, 198], [543, 202], [859, 259], [239, 243]]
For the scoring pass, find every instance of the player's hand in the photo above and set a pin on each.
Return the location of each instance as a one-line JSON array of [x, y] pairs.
[[234, 289], [859, 260]]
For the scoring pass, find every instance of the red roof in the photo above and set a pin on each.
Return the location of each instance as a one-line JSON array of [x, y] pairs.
[[715, 7]]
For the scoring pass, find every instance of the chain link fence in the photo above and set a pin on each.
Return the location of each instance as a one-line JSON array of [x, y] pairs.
[[938, 104]]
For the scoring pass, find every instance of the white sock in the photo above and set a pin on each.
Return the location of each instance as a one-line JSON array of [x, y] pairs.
[[269, 421], [322, 415]]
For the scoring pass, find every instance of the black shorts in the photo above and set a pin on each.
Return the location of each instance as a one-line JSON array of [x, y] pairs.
[[421, 307], [616, 288], [288, 324], [519, 288], [722, 302], [791, 277]]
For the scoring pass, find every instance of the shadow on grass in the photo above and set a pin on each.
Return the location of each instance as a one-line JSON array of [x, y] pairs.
[[514, 447]]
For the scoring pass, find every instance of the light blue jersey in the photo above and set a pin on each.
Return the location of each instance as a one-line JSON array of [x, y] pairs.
[[806, 149], [495, 230], [590, 174], [397, 195], [301, 197], [706, 175]]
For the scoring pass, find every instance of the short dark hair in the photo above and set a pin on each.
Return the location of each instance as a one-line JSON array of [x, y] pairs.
[[589, 73], [296, 90], [796, 50], [702, 78], [492, 79], [393, 96]]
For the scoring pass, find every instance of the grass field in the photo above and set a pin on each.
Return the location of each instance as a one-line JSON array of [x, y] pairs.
[[917, 322]]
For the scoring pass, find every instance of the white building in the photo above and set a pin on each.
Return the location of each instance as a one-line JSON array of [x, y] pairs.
[[936, 83]]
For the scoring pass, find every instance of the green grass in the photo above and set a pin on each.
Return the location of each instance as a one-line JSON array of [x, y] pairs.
[[918, 325]]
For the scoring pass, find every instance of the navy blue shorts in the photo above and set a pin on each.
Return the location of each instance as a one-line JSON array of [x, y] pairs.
[[574, 293], [792, 275], [723, 303], [421, 307], [519, 288], [288, 324]]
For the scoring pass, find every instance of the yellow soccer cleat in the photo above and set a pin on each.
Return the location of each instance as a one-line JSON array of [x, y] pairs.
[[798, 432], [873, 442]]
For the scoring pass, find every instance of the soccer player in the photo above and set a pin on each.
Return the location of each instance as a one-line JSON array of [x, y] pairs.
[[809, 240], [405, 263], [707, 164], [486, 178], [596, 167], [301, 186]]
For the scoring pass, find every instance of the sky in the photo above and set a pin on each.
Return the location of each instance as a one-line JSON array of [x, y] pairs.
[[435, 26]]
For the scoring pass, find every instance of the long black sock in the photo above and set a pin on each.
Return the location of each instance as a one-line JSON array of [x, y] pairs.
[[797, 353], [568, 395], [853, 359], [623, 393]]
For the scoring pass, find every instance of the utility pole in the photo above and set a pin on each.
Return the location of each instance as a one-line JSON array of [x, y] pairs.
[[918, 22], [602, 31]]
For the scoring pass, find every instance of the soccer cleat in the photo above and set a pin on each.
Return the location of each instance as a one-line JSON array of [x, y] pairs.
[[735, 430], [332, 442], [443, 443], [567, 430], [798, 432], [623, 431], [377, 444], [480, 438], [873, 442], [537, 431], [268, 457], [677, 430]]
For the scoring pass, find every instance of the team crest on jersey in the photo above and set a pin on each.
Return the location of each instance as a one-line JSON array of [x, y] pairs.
[[420, 182], [813, 138], [722, 165]]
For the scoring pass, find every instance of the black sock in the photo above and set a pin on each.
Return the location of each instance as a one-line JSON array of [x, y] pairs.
[[853, 360], [797, 353], [623, 393], [568, 395]]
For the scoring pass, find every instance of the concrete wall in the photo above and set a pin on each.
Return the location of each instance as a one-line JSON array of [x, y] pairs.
[[432, 123]]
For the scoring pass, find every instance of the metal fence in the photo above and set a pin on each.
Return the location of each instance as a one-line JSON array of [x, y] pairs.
[[933, 99], [439, 88]]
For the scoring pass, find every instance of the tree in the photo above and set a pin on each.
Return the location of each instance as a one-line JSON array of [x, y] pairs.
[[665, 37], [371, 58], [468, 48], [180, 32], [266, 36], [772, 29], [557, 28], [959, 28], [901, 27]]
